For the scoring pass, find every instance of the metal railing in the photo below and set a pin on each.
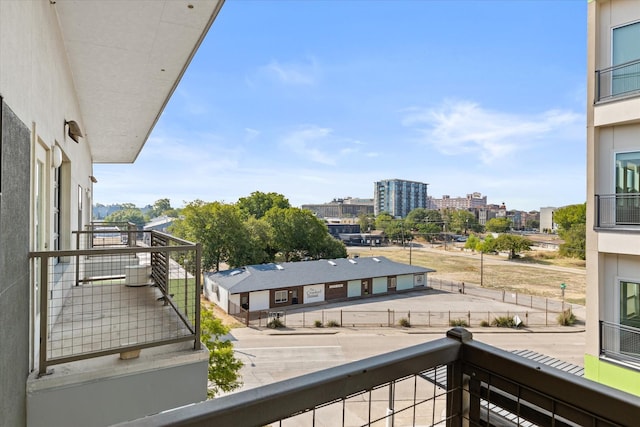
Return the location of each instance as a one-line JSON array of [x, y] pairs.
[[453, 381], [618, 81], [617, 210], [105, 300], [620, 342]]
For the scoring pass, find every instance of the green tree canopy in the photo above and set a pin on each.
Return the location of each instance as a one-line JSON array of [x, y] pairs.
[[221, 231], [224, 367], [512, 243], [259, 203], [297, 233], [460, 221], [571, 222], [498, 225], [383, 220], [133, 215]]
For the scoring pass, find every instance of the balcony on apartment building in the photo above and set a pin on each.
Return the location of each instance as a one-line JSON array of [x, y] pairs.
[[620, 343], [453, 381], [123, 308], [617, 94], [620, 211]]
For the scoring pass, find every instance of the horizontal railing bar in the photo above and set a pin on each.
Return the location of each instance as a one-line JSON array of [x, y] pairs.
[[597, 399], [112, 251], [116, 350], [267, 404]]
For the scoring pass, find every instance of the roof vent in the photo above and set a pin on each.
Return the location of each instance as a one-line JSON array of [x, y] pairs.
[[279, 267], [353, 261], [332, 263], [376, 259], [235, 272]]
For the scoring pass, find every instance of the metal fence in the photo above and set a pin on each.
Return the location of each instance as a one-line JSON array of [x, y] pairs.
[[99, 301], [454, 381], [614, 210], [619, 341], [530, 310], [617, 81]]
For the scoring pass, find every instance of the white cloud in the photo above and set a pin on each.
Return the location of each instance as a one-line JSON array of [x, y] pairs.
[[251, 134], [312, 143], [463, 127], [293, 73]]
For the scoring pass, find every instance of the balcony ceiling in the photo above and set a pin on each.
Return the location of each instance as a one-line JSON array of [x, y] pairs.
[[126, 58]]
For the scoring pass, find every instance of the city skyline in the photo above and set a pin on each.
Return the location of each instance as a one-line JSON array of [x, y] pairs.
[[318, 100]]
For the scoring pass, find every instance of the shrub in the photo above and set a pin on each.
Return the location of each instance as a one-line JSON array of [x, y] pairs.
[[317, 324], [459, 322], [404, 323], [484, 324], [333, 324], [275, 323], [505, 322], [566, 318]]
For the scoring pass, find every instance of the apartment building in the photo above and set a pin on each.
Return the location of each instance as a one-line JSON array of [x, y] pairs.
[[398, 197], [613, 194], [471, 201], [84, 82], [342, 208]]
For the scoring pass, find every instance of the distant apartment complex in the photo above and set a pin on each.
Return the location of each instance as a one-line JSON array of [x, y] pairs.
[[613, 194], [473, 200], [399, 197], [342, 208]]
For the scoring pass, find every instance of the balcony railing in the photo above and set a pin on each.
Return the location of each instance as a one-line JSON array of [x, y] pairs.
[[618, 81], [620, 342], [453, 381], [617, 210], [115, 296]]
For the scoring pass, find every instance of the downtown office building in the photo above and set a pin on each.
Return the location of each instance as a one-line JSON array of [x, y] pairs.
[[399, 197]]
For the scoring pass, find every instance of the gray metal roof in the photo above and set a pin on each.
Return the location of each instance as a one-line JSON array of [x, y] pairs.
[[274, 276]]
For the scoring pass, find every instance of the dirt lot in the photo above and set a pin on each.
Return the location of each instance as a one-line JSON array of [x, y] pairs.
[[535, 274]]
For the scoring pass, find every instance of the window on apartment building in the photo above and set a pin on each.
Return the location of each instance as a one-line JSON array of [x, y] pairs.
[[281, 296], [630, 304], [628, 173], [626, 48]]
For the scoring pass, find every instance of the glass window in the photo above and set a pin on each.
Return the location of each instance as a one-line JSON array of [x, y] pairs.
[[630, 304], [626, 48], [280, 296], [628, 173]]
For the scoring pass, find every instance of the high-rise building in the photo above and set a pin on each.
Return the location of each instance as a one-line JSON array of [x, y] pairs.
[[613, 194], [398, 197]]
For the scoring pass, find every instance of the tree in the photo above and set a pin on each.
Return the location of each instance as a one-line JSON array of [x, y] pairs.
[[498, 225], [133, 215], [512, 243], [571, 222], [221, 231], [366, 223], [224, 367], [259, 203], [460, 221], [296, 233], [383, 220], [161, 207], [472, 242]]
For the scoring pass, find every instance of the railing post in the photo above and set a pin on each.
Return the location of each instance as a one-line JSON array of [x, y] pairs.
[[198, 291], [597, 83], [44, 315], [458, 397]]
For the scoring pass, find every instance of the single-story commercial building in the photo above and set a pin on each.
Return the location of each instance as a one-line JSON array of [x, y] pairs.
[[272, 286]]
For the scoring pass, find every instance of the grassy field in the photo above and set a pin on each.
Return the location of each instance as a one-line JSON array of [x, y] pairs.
[[534, 274]]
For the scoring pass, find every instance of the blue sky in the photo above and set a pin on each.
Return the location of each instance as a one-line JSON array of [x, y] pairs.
[[319, 99]]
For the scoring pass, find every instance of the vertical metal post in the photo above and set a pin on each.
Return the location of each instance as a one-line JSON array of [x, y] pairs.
[[457, 404], [390, 408], [198, 290], [44, 304], [481, 267]]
